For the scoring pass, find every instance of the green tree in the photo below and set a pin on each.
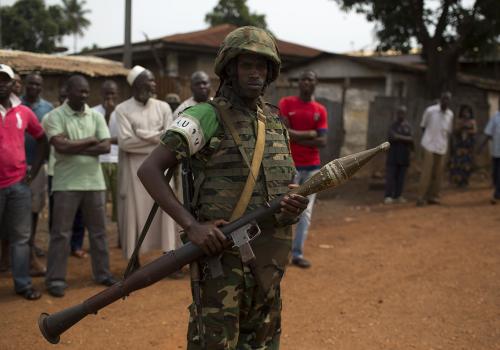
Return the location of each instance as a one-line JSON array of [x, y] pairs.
[[31, 26], [445, 30], [75, 19], [235, 12]]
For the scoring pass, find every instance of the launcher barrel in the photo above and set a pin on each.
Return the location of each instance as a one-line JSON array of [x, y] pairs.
[[331, 175]]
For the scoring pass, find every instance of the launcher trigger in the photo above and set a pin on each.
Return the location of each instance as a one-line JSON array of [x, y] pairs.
[[241, 238]]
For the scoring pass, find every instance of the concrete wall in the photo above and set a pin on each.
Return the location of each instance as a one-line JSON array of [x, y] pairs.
[[359, 93], [336, 67]]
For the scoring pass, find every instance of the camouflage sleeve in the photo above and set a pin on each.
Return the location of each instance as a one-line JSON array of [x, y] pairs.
[[176, 143]]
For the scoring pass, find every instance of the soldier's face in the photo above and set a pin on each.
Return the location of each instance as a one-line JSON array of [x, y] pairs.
[[252, 74]]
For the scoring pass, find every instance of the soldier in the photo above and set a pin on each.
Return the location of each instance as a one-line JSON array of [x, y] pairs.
[[240, 309]]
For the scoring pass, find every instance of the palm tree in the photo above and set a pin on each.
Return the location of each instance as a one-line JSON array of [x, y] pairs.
[[75, 19]]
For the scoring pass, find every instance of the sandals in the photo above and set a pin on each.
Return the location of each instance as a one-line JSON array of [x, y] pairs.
[[80, 254], [30, 294]]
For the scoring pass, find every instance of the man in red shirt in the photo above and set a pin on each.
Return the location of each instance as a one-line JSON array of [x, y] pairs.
[[15, 194], [307, 124]]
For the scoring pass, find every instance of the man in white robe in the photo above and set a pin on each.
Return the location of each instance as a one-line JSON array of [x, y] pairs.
[[141, 120]]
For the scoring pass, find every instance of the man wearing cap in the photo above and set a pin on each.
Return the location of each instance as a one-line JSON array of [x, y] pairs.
[[79, 135], [141, 120], [200, 88], [238, 148], [15, 194], [17, 88]]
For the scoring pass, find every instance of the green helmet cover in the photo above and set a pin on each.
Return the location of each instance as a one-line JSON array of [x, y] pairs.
[[248, 40]]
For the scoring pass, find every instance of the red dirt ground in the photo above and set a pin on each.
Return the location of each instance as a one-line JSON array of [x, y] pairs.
[[383, 277]]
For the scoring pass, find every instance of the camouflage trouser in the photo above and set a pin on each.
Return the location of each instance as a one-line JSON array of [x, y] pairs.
[[236, 313]]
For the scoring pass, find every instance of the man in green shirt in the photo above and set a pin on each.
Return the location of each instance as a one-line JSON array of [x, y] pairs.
[[79, 135]]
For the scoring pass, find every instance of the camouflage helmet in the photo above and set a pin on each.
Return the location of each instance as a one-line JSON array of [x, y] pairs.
[[249, 40]]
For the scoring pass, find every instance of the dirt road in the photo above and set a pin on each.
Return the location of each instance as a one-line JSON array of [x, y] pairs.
[[383, 277]]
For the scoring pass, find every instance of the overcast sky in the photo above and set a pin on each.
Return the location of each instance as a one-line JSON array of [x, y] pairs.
[[315, 23]]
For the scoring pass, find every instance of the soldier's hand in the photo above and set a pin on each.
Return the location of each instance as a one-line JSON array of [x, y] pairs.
[[208, 236], [294, 204]]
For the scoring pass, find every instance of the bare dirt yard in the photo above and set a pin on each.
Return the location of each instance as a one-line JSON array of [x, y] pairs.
[[383, 277]]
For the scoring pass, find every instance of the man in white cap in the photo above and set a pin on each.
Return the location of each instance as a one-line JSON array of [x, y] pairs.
[[15, 194], [141, 121]]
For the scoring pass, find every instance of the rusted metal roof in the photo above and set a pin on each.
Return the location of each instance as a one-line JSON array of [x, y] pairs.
[[92, 66], [213, 37]]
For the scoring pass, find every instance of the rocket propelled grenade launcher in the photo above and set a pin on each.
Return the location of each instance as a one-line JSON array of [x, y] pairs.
[[331, 175]]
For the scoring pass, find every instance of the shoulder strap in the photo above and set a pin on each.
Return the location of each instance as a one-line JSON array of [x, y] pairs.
[[258, 154]]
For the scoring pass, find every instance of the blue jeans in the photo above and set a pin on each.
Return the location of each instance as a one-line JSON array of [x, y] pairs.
[[15, 225], [305, 219]]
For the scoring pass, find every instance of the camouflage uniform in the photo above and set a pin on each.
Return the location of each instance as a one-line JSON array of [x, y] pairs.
[[240, 310]]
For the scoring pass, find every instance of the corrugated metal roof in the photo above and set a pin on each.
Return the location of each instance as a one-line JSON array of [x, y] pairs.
[[213, 37], [92, 66]]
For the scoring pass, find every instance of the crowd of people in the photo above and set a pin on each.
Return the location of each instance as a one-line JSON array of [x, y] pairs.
[[445, 140], [94, 154], [78, 157], [243, 152]]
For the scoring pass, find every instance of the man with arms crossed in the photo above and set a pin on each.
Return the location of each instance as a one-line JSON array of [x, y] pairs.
[[79, 135]]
